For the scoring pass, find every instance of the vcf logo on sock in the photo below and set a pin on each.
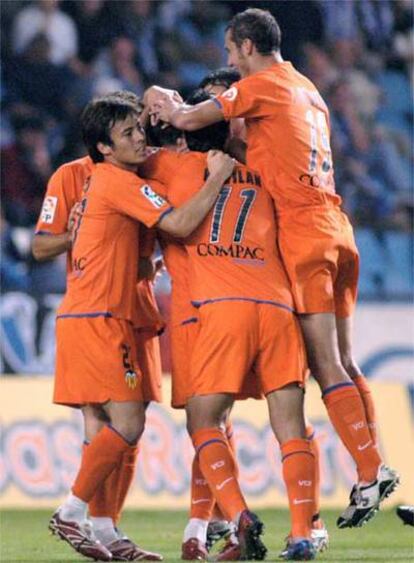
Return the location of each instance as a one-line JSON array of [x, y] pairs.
[[358, 425]]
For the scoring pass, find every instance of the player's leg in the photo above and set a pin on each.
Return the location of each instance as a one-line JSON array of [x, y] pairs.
[[92, 377], [364, 498], [99, 459], [182, 338], [287, 421], [344, 330], [222, 356], [219, 527], [281, 366], [106, 505], [319, 533], [217, 465], [341, 397]]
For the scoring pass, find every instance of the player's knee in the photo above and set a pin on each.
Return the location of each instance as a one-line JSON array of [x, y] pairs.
[[131, 427], [350, 365]]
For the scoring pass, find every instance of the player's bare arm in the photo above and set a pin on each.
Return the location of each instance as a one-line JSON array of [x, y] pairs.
[[47, 246], [182, 221], [166, 106]]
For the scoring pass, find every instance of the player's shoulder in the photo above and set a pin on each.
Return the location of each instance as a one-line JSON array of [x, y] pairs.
[[82, 165]]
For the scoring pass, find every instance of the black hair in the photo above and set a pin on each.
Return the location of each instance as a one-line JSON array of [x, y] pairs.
[[127, 96], [212, 137], [97, 120], [259, 26], [162, 134], [225, 76]]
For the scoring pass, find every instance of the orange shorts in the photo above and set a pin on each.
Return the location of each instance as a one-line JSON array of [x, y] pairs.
[[321, 259], [182, 338], [182, 341], [95, 361], [236, 337], [149, 361]]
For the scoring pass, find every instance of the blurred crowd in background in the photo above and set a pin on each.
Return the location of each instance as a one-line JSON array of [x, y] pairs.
[[57, 55]]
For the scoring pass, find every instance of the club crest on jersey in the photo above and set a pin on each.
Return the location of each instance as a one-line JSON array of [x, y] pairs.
[[48, 209], [156, 200], [230, 94], [131, 379]]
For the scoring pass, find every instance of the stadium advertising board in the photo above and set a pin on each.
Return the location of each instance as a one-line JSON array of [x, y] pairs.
[[40, 449]]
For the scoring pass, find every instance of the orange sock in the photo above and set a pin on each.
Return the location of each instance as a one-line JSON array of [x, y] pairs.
[[202, 499], [366, 396], [99, 459], [217, 465], [299, 476], [314, 446], [232, 444], [110, 495], [347, 414], [127, 474]]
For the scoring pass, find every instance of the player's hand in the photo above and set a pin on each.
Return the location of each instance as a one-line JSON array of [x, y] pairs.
[[74, 216], [162, 110], [156, 93], [220, 163]]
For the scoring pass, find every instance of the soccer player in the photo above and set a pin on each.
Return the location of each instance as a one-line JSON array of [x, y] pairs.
[[96, 361], [216, 83], [245, 309], [288, 142], [52, 237]]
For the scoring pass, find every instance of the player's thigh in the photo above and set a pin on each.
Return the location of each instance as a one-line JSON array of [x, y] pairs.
[[182, 338], [281, 359], [225, 347], [308, 246], [346, 282], [149, 360], [95, 361]]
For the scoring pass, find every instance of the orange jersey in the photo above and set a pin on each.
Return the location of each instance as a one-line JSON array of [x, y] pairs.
[[233, 254], [106, 251], [64, 189], [157, 167], [288, 132]]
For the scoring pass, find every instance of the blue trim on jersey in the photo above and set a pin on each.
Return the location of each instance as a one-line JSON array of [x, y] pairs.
[[188, 321], [218, 103], [81, 315], [208, 443], [165, 213], [250, 299], [45, 233], [337, 386]]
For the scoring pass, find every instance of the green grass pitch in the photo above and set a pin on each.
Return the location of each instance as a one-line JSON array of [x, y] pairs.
[[24, 537]]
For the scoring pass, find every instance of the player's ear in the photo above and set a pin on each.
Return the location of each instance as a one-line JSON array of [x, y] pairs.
[[247, 47], [104, 149]]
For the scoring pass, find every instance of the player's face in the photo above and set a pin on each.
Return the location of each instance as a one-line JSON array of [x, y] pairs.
[[128, 143], [235, 56]]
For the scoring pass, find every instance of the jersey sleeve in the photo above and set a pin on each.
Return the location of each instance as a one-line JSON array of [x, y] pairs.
[[247, 98], [140, 200], [59, 199]]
